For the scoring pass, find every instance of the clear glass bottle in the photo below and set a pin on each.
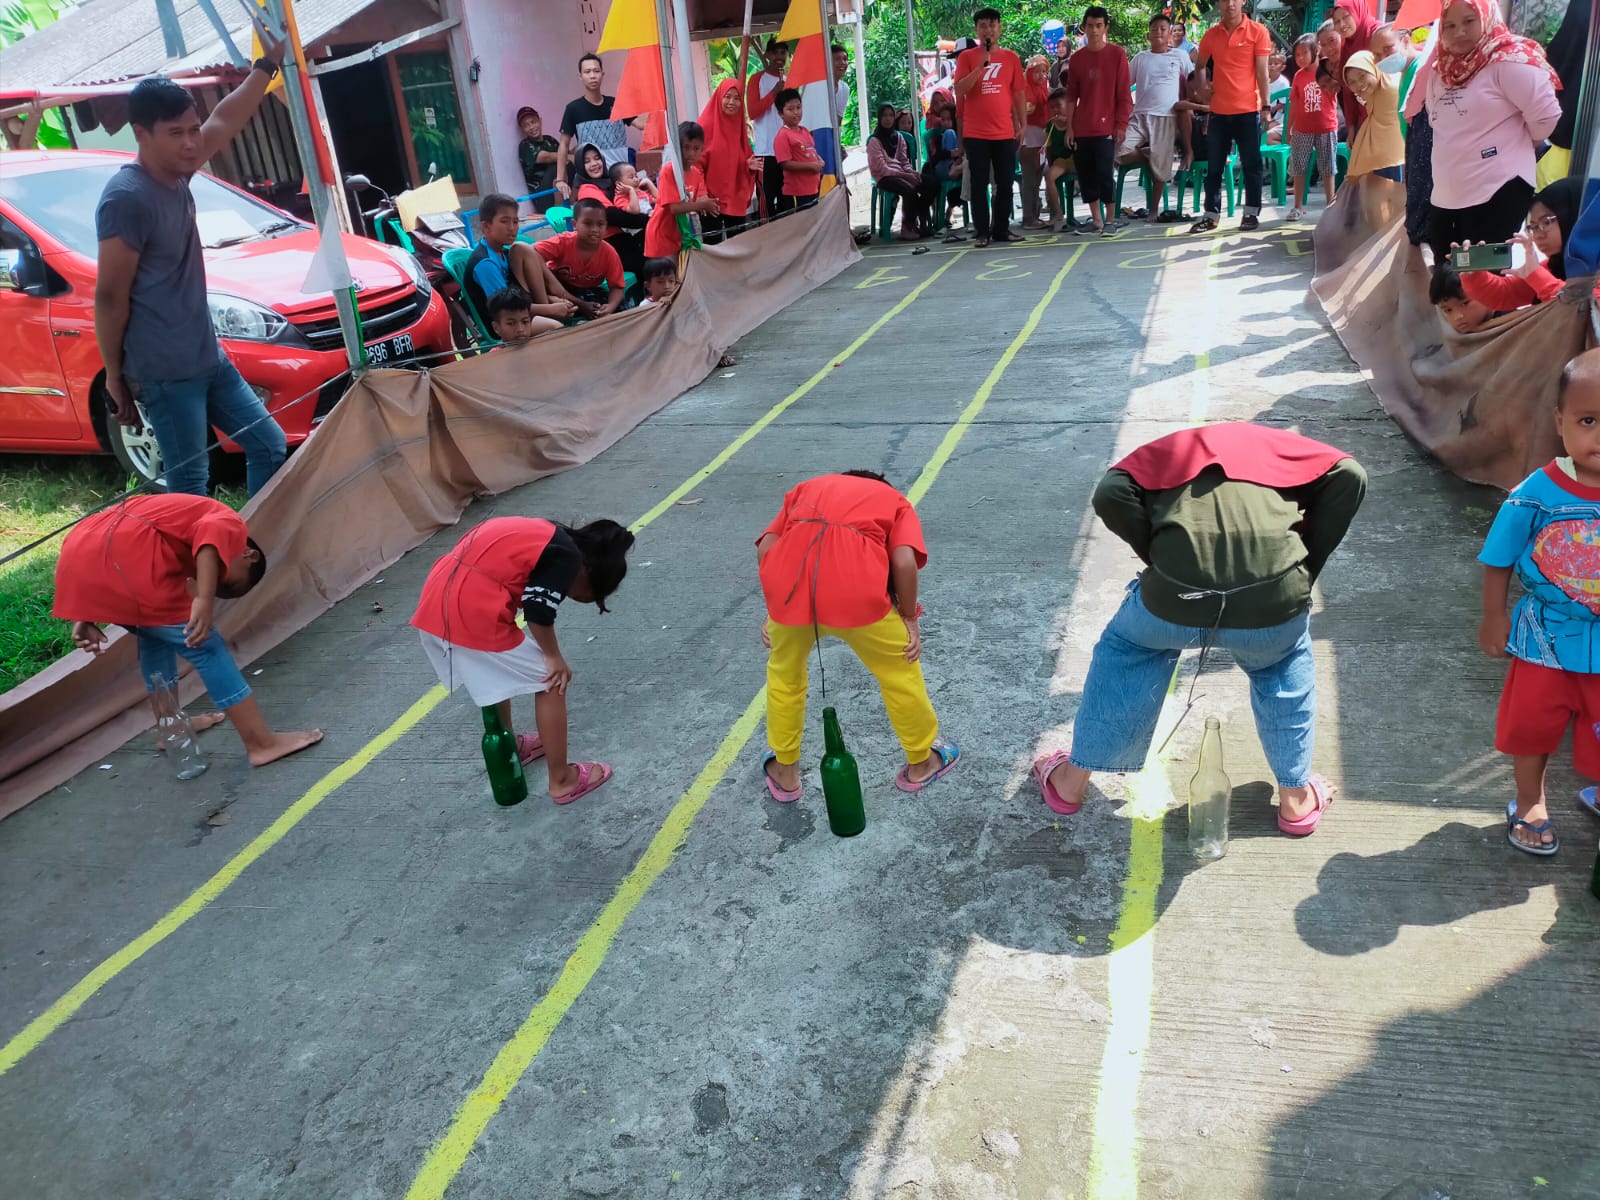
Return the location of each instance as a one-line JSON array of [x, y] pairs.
[[173, 730], [1209, 791]]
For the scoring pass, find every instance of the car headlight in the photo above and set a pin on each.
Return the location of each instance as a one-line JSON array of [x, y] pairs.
[[242, 320], [413, 268]]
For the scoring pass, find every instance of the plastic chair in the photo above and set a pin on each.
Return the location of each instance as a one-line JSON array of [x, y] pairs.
[[455, 262], [942, 208], [1064, 189], [910, 139], [560, 218], [883, 205], [1276, 161], [1197, 175], [1144, 182]]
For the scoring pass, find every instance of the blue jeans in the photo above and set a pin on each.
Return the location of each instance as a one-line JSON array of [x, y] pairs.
[[1223, 131], [181, 413], [159, 647], [1132, 669]]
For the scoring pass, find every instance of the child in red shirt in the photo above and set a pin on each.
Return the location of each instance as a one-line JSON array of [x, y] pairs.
[[841, 560], [661, 236], [467, 619], [797, 155], [583, 268], [1313, 125], [156, 565]]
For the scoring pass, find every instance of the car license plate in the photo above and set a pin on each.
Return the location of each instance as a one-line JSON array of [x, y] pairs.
[[394, 350]]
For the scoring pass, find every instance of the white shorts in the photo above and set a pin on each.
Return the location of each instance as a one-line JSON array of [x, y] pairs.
[[489, 676], [1153, 137]]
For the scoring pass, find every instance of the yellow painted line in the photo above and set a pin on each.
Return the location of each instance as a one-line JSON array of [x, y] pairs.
[[47, 1022], [58, 1013], [447, 1156], [1130, 967], [773, 413]]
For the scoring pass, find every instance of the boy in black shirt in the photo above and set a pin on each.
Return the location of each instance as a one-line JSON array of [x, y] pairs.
[[537, 153]]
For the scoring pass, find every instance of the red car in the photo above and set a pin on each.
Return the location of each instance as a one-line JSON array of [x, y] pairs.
[[285, 343]]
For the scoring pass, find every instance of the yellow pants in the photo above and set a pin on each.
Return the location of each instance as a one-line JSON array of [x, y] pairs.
[[1553, 166], [881, 649]]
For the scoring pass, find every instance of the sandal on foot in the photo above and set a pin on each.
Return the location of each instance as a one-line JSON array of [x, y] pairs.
[[1042, 767], [529, 748], [780, 794], [1590, 799], [727, 360], [590, 776], [980, 243], [1322, 792], [1539, 828], [949, 754]]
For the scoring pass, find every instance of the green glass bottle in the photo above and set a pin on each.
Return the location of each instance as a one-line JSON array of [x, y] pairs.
[[506, 779], [841, 782], [1594, 882]]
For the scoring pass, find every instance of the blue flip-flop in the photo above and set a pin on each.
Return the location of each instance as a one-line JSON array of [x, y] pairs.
[[1541, 828], [1590, 799], [781, 795]]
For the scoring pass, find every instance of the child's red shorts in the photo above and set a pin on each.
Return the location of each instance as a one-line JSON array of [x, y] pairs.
[[1536, 706]]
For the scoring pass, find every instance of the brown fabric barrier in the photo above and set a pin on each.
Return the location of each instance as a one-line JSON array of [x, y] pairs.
[[1481, 402], [405, 452]]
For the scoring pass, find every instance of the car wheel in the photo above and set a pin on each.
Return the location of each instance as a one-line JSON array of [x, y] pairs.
[[136, 449]]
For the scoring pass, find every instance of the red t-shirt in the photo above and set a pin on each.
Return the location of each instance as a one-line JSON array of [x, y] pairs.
[[986, 110], [795, 145], [1099, 86], [835, 533], [661, 236], [1311, 110], [131, 564], [568, 264], [471, 596], [1038, 96]]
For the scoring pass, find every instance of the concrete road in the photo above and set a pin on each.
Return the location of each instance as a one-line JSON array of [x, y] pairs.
[[352, 977]]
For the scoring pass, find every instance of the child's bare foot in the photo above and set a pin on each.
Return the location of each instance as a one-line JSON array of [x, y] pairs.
[[281, 745], [786, 776], [577, 779], [917, 772]]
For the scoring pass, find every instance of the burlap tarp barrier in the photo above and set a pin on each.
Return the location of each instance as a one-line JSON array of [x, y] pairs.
[[1483, 403], [405, 452]]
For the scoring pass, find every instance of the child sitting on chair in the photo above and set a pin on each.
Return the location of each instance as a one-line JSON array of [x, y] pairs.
[[841, 560], [467, 619], [632, 192], [500, 260], [1058, 159]]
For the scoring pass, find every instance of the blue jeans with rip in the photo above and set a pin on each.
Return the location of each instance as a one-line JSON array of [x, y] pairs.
[[1131, 672], [181, 413], [159, 647]]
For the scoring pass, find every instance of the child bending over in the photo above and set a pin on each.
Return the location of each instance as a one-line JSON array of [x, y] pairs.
[[499, 261], [1547, 531], [156, 566], [841, 560], [467, 621], [511, 316]]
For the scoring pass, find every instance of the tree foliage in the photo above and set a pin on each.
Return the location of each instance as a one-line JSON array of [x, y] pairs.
[[19, 18]]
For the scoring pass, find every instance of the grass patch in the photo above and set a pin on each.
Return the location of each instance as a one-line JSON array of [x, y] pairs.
[[39, 493]]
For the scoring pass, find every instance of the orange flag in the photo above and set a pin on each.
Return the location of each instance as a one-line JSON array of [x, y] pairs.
[[642, 89], [809, 64]]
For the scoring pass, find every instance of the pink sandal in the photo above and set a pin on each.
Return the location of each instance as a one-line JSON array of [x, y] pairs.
[[949, 755], [590, 776], [781, 794], [1041, 775], [529, 748], [1322, 792]]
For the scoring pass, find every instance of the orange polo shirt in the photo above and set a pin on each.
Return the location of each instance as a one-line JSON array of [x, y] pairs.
[[835, 533], [1234, 89]]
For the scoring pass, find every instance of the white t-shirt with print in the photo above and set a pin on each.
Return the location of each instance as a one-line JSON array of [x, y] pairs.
[[1155, 80]]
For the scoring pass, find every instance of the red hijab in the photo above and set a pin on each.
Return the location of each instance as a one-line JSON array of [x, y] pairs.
[[1498, 44], [727, 158], [1247, 453]]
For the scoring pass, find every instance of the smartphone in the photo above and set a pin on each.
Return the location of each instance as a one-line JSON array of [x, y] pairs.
[[1492, 256]]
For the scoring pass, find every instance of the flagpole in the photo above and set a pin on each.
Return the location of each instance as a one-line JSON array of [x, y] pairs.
[[911, 59], [318, 186], [671, 148], [833, 95], [680, 18]]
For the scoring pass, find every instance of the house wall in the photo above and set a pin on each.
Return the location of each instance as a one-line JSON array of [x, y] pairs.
[[528, 54]]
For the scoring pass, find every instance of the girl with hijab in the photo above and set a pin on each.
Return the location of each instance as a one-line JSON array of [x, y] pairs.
[[624, 230], [1378, 148], [729, 163], [1490, 96], [1544, 270], [892, 172], [1355, 24]]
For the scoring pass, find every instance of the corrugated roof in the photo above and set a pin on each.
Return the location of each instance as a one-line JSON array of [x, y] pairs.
[[102, 41]]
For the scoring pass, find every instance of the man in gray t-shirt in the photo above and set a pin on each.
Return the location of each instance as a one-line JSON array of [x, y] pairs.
[[152, 316]]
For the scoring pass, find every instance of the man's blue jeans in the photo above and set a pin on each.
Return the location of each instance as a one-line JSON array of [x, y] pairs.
[[1223, 131], [1131, 671], [181, 413], [159, 647]]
